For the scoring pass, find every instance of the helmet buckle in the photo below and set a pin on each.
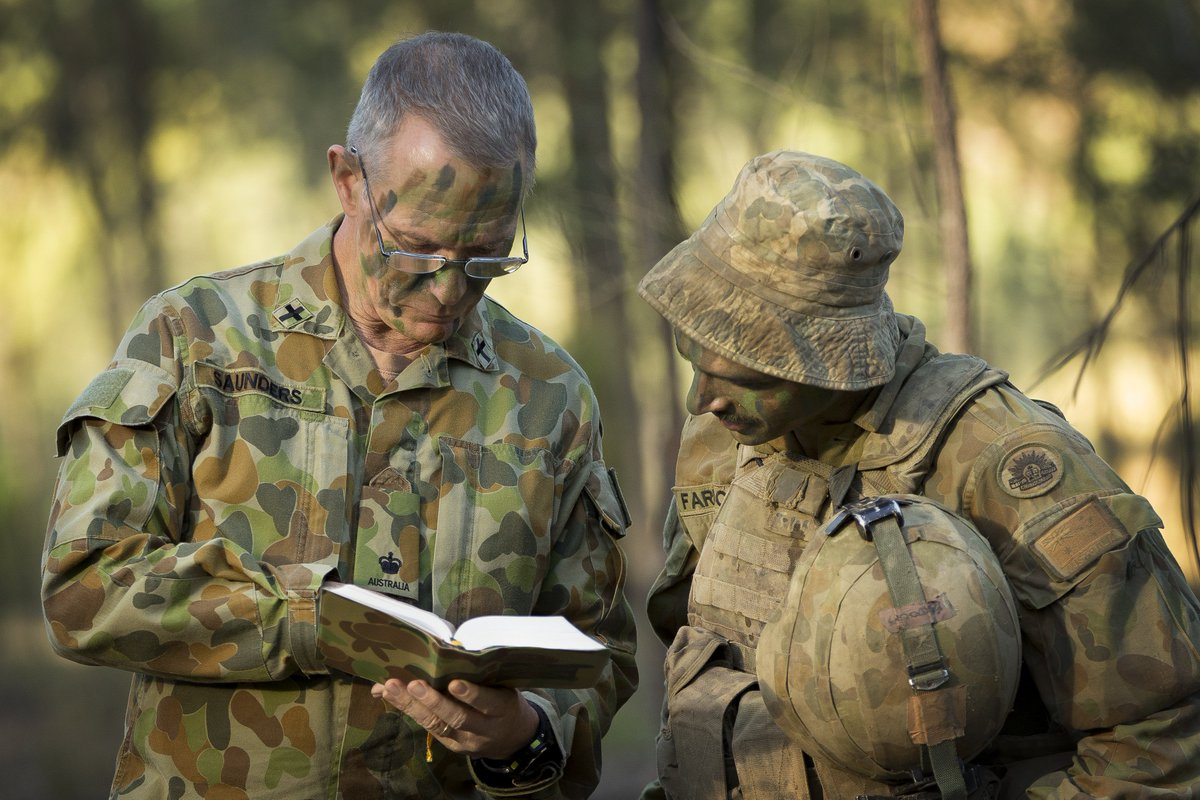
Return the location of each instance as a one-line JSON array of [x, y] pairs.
[[927, 677], [865, 513]]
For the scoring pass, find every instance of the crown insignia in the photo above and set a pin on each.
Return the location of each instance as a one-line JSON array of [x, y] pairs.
[[389, 563]]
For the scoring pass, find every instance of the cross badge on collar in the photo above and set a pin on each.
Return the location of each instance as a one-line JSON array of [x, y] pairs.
[[292, 313], [482, 350]]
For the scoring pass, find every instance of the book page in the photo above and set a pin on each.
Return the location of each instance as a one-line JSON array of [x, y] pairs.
[[417, 617], [554, 633]]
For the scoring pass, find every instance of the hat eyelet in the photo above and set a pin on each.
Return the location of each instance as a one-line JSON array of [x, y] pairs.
[[856, 253]]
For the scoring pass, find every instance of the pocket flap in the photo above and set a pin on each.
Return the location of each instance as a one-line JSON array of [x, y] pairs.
[[691, 651], [129, 393]]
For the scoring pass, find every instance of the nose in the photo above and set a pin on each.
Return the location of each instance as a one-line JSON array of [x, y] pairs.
[[449, 284], [703, 397]]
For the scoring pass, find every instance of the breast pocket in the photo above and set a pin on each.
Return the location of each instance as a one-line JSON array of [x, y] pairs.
[[495, 509], [391, 554], [272, 477]]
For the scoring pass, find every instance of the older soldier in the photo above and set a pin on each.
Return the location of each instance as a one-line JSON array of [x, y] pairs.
[[809, 391], [348, 408]]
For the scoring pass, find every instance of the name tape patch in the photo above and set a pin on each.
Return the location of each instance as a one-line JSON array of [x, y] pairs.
[[252, 380], [1078, 541], [701, 499]]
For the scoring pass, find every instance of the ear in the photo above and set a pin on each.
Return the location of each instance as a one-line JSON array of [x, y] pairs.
[[343, 170]]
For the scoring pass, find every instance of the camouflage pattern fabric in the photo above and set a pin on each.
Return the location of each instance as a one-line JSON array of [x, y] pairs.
[[787, 274], [1110, 629], [241, 449]]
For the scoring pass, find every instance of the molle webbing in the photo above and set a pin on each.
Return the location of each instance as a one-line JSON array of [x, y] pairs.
[[751, 549]]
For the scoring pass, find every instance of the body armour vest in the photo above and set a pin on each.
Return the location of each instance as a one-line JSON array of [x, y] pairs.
[[749, 547]]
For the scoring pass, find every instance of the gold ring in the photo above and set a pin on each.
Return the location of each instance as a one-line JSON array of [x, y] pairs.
[[446, 729]]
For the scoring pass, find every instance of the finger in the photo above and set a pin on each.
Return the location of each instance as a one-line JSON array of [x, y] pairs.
[[446, 709], [396, 694], [491, 701]]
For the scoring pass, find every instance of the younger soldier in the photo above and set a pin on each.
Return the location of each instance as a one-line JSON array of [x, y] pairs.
[[809, 392]]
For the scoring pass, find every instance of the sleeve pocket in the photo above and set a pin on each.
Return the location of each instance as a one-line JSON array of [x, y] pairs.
[[1063, 544], [605, 499], [125, 394]]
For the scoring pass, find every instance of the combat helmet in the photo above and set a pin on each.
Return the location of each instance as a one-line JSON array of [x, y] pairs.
[[897, 649]]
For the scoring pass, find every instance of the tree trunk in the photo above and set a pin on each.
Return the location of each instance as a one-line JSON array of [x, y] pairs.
[[952, 218], [658, 229], [101, 121], [604, 342]]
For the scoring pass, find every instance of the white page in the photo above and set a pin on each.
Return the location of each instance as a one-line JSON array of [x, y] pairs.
[[554, 632], [419, 617]]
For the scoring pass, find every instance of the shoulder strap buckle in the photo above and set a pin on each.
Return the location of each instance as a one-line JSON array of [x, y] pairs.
[[866, 512]]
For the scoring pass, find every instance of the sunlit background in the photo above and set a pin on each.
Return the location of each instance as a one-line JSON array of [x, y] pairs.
[[144, 141]]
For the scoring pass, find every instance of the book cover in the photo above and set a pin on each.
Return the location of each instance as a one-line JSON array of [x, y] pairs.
[[377, 637]]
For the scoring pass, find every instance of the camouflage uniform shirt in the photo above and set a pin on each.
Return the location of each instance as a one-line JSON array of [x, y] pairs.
[[1110, 628], [240, 450]]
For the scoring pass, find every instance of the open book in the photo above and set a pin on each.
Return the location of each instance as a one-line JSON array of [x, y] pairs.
[[377, 637]]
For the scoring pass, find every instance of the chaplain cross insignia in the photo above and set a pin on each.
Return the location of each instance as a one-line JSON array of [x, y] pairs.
[[481, 348], [292, 313]]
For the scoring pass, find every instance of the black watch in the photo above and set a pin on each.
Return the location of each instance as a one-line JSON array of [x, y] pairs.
[[539, 760]]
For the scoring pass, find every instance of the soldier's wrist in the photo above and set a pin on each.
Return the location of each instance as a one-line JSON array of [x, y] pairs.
[[539, 762]]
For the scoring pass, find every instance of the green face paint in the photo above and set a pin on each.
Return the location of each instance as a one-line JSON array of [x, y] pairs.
[[452, 206], [431, 201], [755, 407]]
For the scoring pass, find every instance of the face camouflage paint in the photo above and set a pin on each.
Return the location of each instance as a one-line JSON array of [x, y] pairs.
[[753, 406], [430, 202]]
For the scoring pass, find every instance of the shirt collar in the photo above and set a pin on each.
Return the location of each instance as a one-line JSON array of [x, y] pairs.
[[306, 296], [307, 299], [474, 340], [912, 354]]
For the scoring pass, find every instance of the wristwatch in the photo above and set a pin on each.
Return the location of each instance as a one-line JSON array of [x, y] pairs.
[[540, 761]]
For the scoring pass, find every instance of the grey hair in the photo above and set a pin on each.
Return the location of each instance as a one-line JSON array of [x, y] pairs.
[[466, 88]]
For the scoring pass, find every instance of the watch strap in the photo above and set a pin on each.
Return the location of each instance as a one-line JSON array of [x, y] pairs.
[[537, 763]]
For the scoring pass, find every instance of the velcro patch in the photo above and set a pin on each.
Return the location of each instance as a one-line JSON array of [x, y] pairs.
[[1075, 543], [603, 490], [1030, 470], [701, 499], [103, 390]]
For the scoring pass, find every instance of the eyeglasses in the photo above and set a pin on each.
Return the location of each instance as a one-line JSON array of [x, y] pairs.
[[485, 267]]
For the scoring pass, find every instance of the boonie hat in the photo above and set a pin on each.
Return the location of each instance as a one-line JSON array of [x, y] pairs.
[[786, 276]]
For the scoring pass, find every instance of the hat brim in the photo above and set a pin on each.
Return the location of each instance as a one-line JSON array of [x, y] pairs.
[[850, 350]]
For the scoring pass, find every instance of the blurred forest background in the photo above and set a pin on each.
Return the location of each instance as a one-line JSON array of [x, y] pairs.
[[143, 141]]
